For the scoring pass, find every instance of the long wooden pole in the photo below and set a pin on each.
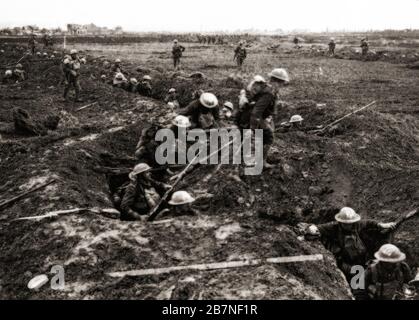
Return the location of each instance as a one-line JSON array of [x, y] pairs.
[[24, 194], [217, 265]]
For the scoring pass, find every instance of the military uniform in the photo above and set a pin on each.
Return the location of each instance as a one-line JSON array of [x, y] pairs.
[[262, 111], [177, 52], [32, 44], [144, 88], [364, 47], [147, 145], [332, 46], [140, 196], [71, 70], [384, 285], [240, 55], [349, 247], [201, 116]]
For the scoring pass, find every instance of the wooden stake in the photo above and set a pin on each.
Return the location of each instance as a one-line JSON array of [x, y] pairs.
[[87, 106]]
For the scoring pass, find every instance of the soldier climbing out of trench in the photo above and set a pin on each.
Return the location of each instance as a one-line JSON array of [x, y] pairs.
[[346, 238], [387, 276], [71, 68], [141, 194]]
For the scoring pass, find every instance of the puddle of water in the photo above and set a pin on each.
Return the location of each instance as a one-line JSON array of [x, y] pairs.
[[224, 232]]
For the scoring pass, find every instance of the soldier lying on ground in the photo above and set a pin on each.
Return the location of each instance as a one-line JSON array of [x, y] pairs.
[[141, 195]]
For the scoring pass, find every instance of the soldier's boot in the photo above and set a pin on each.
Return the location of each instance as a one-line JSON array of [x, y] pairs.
[[266, 149], [77, 99]]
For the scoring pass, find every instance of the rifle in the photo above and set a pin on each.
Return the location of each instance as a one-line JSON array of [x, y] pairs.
[[400, 221]]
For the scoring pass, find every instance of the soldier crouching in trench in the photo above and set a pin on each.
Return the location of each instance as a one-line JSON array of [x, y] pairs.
[[141, 194]]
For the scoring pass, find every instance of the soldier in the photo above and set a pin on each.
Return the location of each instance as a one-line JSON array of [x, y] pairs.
[[364, 46], [18, 73], [144, 87], [116, 67], [387, 274], [32, 44], [346, 238], [71, 70], [332, 46], [296, 41], [226, 114], [177, 51], [141, 195], [171, 100], [240, 54], [132, 85], [181, 204], [147, 145], [203, 111], [119, 81]]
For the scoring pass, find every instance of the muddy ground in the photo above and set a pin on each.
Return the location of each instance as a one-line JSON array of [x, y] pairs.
[[370, 164]]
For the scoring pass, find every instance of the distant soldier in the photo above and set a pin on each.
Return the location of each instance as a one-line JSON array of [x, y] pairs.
[[203, 111], [226, 114], [119, 81], [364, 46], [116, 67], [171, 100], [18, 73], [144, 87], [141, 195], [240, 54], [71, 68], [32, 44], [296, 41], [132, 85], [177, 51], [388, 274], [332, 46]]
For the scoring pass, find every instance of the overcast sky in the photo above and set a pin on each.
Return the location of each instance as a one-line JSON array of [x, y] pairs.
[[207, 15]]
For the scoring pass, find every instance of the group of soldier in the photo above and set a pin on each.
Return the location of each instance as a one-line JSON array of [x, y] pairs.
[[386, 276]]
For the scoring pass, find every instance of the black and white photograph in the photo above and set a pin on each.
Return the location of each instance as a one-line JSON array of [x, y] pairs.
[[218, 151]]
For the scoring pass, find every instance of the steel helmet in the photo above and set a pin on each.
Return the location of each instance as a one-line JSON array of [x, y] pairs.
[[181, 197], [296, 118], [118, 61], [19, 66], [147, 78], [133, 81], [103, 76], [8, 72], [139, 168], [45, 54], [175, 41], [332, 39], [83, 60], [279, 73], [389, 253], [229, 105], [37, 282], [259, 78], [172, 90], [208, 100], [182, 121], [119, 76], [73, 51], [38, 53], [52, 56], [347, 215]]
